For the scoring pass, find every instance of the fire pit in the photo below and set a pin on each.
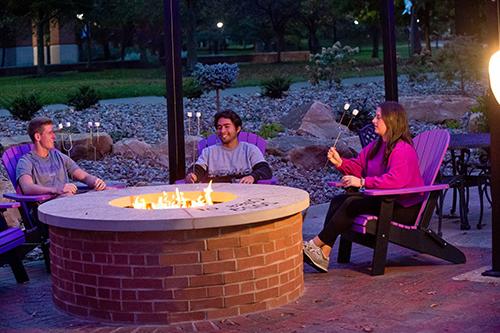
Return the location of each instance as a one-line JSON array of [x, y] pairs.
[[115, 263]]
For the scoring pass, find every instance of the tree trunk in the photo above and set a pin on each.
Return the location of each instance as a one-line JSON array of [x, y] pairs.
[[467, 21], [415, 44], [426, 26], [217, 100], [375, 40], [89, 47], [3, 57], [122, 44], [313, 41], [40, 68], [280, 46], [334, 31]]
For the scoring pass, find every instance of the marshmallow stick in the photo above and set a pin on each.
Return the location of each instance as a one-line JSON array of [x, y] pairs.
[[354, 114]]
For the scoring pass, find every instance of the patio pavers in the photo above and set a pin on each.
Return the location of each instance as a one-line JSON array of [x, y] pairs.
[[418, 293]]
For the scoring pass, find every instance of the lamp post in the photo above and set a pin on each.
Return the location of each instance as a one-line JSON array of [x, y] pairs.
[[494, 118], [220, 35]]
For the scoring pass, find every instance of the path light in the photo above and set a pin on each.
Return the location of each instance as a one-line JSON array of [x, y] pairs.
[[356, 22], [220, 25]]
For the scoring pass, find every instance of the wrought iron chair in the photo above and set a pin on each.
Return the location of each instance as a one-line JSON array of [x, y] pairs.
[[377, 231], [243, 137], [12, 240], [367, 134]]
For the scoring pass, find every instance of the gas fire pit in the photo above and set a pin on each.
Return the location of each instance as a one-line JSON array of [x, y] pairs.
[[115, 263]]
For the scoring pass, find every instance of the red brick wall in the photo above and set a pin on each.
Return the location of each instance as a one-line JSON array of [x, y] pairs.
[[175, 276]]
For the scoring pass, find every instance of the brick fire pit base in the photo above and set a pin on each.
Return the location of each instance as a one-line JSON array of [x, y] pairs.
[[178, 275]]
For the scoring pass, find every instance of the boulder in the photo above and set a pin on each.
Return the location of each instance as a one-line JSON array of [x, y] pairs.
[[437, 108], [308, 152], [132, 148], [293, 119], [190, 146], [84, 147], [11, 215], [319, 121], [87, 147]]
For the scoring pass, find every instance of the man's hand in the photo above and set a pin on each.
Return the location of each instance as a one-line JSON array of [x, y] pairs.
[[247, 180], [191, 178], [334, 157], [67, 189], [99, 184]]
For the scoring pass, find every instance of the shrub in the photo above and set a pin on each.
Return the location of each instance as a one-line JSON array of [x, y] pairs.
[[275, 87], [326, 65], [460, 60], [482, 108], [419, 65], [216, 77], [268, 131], [25, 106], [191, 88], [83, 98]]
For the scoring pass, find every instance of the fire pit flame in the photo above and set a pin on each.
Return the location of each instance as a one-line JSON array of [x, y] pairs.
[[176, 200]]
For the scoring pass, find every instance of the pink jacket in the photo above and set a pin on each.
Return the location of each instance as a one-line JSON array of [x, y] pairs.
[[402, 170]]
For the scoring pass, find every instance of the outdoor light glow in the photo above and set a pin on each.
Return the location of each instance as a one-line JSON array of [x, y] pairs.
[[356, 22], [494, 70], [220, 24], [79, 16], [418, 20]]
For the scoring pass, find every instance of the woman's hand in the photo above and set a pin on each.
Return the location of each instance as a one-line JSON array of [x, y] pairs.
[[334, 157], [351, 181]]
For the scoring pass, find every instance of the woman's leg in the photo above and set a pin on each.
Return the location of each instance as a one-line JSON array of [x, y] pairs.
[[340, 217]]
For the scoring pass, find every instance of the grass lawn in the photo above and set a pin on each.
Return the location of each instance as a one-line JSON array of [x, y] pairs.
[[118, 83]]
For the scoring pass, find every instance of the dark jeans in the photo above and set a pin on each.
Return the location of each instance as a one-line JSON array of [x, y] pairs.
[[345, 207]]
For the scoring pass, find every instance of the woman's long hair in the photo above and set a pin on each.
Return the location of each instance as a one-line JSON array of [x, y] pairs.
[[396, 121]]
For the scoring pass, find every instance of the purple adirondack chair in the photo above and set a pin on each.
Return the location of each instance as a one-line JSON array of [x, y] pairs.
[[243, 137], [32, 228], [11, 240], [377, 231]]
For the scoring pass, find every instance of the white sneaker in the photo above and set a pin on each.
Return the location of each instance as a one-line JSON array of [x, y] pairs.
[[315, 257]]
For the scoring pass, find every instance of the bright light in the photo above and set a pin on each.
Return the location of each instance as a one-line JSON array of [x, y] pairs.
[[356, 22], [494, 70], [79, 16], [418, 20], [220, 25]]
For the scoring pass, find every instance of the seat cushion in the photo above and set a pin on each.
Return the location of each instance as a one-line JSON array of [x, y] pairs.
[[367, 224], [11, 238]]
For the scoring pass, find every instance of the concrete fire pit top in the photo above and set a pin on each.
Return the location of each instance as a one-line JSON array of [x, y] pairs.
[[253, 203]]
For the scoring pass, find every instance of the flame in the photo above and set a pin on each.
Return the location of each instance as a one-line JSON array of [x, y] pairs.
[[176, 200]]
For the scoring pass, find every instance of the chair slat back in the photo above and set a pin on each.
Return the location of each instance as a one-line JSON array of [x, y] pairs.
[[431, 147], [11, 157], [367, 134], [243, 137]]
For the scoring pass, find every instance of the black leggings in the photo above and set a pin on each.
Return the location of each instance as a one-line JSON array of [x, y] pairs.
[[345, 207]]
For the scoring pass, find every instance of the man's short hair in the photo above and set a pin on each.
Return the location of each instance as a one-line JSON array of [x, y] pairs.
[[228, 114], [36, 126]]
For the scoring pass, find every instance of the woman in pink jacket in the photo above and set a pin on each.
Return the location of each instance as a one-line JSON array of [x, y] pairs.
[[390, 162]]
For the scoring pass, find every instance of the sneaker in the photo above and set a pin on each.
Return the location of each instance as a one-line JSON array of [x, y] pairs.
[[315, 257]]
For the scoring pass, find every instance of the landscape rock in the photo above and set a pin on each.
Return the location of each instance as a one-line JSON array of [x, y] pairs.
[[437, 108], [319, 121], [87, 147], [294, 117]]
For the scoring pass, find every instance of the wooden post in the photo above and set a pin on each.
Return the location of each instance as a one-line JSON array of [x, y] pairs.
[[389, 42]]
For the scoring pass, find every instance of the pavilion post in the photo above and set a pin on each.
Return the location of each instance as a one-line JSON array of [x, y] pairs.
[[173, 69], [389, 42]]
